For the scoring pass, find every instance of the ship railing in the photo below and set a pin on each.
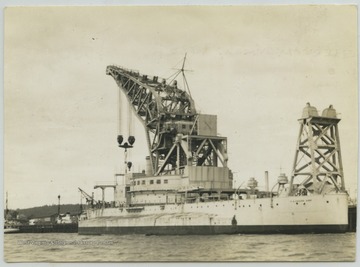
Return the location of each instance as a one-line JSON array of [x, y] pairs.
[[137, 73], [125, 69], [99, 205]]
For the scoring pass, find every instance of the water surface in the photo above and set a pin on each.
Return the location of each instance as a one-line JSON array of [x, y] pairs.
[[63, 247]]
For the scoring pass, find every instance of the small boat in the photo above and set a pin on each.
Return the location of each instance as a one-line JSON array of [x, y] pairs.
[[8, 225], [10, 230]]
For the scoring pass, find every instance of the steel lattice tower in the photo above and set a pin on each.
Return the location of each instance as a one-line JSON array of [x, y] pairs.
[[318, 164]]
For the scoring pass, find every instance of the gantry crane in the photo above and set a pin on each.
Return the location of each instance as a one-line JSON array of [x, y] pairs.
[[180, 140]]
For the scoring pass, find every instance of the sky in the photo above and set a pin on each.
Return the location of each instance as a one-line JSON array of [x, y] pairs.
[[255, 67]]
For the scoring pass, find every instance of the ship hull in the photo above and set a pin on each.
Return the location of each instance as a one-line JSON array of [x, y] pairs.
[[49, 228], [290, 215], [11, 230], [214, 230]]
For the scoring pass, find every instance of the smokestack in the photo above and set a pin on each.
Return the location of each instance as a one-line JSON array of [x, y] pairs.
[[267, 181], [148, 169]]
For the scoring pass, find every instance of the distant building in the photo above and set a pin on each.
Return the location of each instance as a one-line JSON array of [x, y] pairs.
[[64, 218], [43, 220]]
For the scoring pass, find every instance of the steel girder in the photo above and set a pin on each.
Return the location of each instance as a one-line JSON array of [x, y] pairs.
[[194, 150]]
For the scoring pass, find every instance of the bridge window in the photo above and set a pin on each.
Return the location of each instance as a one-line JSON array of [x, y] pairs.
[[151, 181], [166, 181], [158, 181], [143, 182], [138, 182]]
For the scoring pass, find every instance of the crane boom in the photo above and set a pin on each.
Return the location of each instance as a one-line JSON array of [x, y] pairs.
[[89, 199], [157, 105]]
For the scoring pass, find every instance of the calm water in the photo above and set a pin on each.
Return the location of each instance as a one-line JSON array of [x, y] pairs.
[[74, 247]]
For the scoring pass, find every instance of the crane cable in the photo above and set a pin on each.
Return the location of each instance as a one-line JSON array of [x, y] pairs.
[[119, 112], [130, 118], [130, 126]]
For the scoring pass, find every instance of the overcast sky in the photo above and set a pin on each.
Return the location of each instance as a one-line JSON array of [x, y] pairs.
[[254, 67]]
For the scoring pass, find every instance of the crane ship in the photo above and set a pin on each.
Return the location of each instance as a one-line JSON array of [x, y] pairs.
[[187, 186]]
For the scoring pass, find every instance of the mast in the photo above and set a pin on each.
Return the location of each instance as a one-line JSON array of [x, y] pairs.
[[7, 209], [59, 206]]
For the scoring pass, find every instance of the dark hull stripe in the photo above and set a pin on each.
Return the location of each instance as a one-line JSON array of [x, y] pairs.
[[211, 230], [49, 228]]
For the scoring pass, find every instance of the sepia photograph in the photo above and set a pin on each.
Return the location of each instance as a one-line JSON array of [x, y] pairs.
[[184, 133]]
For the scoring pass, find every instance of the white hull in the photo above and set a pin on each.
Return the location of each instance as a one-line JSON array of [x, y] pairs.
[[297, 214]]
